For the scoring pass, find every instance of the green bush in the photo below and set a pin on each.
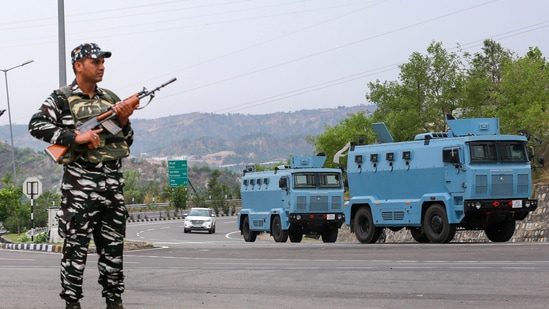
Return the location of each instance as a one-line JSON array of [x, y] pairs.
[[41, 238]]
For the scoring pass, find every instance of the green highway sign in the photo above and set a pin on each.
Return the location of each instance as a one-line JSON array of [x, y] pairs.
[[177, 173]]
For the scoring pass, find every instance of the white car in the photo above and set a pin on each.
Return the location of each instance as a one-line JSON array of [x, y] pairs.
[[200, 219]]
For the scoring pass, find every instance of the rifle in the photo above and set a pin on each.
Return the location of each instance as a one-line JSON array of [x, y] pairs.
[[104, 120]]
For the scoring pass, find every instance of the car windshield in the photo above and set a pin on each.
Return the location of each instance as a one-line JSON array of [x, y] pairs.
[[199, 213]]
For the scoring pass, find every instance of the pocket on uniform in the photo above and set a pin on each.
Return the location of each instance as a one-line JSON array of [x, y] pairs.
[[64, 217], [67, 219]]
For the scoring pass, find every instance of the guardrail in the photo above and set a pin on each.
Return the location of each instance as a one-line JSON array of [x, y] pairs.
[[189, 204], [160, 211]]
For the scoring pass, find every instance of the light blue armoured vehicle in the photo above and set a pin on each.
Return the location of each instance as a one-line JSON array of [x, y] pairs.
[[300, 199], [471, 178]]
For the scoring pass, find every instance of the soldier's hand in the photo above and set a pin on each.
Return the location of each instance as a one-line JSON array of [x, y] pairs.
[[123, 111], [90, 137]]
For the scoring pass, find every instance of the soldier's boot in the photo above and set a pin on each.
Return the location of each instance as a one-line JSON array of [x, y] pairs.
[[75, 305], [117, 304]]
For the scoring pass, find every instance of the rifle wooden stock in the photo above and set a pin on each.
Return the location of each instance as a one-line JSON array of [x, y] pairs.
[[56, 151], [134, 102]]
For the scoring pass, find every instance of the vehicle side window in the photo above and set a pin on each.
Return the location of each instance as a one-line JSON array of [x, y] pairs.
[[450, 155]]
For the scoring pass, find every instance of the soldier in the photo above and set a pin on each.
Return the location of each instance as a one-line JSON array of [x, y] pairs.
[[92, 198]]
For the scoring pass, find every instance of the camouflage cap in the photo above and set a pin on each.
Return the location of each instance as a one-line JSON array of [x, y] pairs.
[[88, 50]]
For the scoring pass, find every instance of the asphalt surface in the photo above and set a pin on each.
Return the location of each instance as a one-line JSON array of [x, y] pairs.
[[199, 270]]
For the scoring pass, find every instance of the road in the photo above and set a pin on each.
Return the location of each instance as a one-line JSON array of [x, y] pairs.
[[199, 270]]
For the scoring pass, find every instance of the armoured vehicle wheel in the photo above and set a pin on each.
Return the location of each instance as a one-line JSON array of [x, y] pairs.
[[249, 236], [363, 224], [279, 235], [500, 231], [296, 237], [330, 235], [436, 226], [418, 235]]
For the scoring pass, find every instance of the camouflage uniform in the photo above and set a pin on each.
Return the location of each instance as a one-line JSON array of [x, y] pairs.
[[92, 189]]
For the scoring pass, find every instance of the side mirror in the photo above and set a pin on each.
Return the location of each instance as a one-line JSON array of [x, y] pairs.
[[454, 158]]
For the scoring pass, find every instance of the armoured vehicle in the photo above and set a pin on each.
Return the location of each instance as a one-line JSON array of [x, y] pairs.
[[471, 178], [302, 198]]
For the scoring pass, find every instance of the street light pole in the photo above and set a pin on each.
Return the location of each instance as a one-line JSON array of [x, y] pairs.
[[9, 116]]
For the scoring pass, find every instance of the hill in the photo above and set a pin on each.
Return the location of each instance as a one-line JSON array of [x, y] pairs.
[[216, 140], [236, 137]]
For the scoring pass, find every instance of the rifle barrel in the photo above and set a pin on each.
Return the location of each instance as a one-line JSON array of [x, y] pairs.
[[144, 93], [168, 82]]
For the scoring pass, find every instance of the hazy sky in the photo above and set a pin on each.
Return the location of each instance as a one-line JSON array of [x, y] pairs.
[[249, 56]]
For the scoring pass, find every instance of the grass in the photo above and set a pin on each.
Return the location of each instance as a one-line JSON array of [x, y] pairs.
[[13, 237]]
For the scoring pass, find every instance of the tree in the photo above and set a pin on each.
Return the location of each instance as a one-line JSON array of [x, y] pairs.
[[427, 90], [152, 192], [355, 128], [133, 193], [199, 200], [12, 211], [45, 201], [524, 95], [215, 191], [491, 83], [179, 198], [484, 77], [223, 199]]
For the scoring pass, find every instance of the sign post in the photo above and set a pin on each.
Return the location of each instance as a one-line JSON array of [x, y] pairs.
[[177, 173], [32, 188]]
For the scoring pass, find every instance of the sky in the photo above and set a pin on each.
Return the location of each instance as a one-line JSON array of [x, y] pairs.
[[248, 56]]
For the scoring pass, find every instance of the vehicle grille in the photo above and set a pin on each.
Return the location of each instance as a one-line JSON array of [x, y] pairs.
[[502, 185], [481, 187], [522, 184], [301, 203], [389, 215], [336, 202], [319, 203]]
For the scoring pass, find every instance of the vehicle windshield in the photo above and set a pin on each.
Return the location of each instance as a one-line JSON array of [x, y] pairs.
[[498, 151], [199, 213], [317, 180]]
